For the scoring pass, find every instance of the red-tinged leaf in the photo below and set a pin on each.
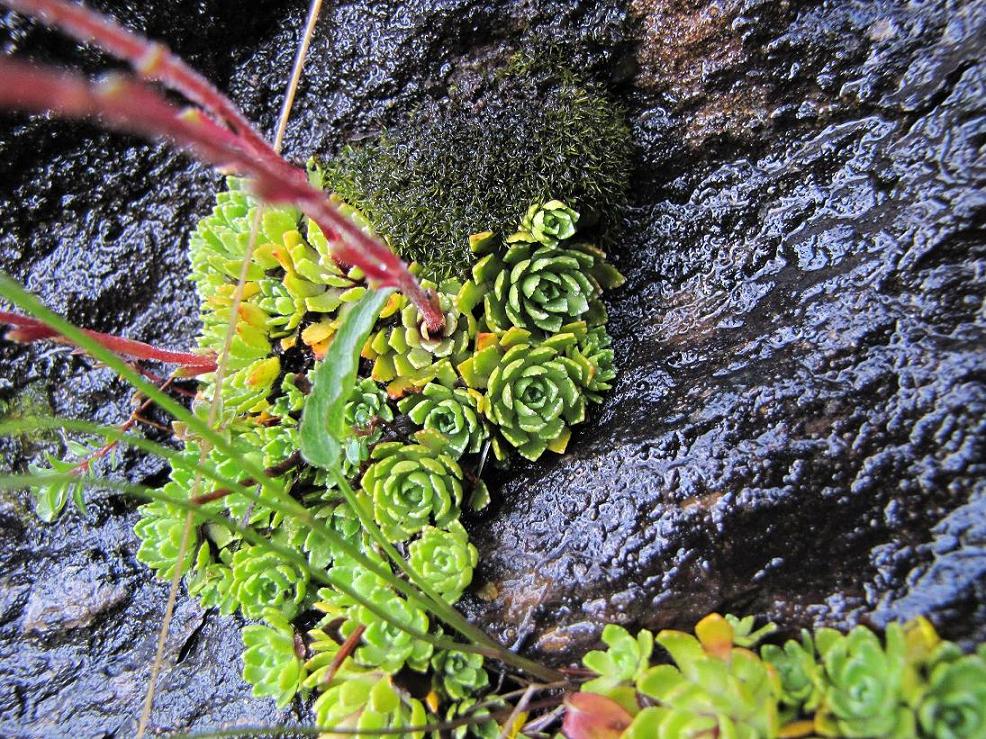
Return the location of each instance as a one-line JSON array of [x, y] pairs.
[[592, 716]]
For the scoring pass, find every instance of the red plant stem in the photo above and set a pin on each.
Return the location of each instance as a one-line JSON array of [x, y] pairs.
[[131, 106], [347, 648], [28, 329], [150, 59]]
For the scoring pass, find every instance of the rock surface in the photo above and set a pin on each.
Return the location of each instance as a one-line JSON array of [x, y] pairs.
[[797, 430]]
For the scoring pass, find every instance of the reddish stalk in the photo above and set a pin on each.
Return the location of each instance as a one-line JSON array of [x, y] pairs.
[[27, 330], [128, 105], [347, 648], [151, 60], [135, 417]]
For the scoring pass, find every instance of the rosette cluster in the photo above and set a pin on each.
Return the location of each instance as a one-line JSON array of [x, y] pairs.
[[522, 352]]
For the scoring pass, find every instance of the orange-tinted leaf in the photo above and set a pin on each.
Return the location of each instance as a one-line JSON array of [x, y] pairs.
[[591, 716], [716, 635]]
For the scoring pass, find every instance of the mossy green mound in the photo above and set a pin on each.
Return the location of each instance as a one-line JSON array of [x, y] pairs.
[[463, 166]]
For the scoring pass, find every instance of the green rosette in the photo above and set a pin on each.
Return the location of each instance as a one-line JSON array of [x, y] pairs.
[[410, 486], [263, 580], [446, 559], [271, 662], [452, 412], [548, 223], [533, 395]]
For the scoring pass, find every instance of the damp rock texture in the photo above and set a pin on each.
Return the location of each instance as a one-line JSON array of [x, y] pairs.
[[798, 427], [797, 430]]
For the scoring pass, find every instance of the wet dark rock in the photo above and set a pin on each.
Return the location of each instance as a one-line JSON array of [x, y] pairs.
[[798, 427], [72, 599]]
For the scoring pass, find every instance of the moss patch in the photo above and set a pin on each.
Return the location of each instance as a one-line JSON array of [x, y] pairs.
[[462, 166]]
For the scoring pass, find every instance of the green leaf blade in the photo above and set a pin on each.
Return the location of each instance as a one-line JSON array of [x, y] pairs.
[[323, 422]]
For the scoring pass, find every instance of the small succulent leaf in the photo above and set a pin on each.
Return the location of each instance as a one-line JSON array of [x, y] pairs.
[[716, 635]]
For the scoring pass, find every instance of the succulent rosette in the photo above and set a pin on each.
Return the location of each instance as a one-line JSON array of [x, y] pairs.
[[246, 390], [802, 682], [619, 666], [271, 662], [459, 674], [366, 410], [595, 347], [863, 695], [160, 529], [451, 412], [385, 645], [408, 354], [712, 686], [212, 584], [548, 223], [536, 287], [954, 703], [445, 559], [367, 700], [339, 518], [533, 394], [487, 729], [412, 485], [262, 580]]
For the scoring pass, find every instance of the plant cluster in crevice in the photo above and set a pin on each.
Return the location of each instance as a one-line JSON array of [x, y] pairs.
[[909, 684], [522, 353], [317, 497]]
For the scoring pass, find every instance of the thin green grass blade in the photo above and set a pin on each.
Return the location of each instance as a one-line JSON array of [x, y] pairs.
[[19, 482]]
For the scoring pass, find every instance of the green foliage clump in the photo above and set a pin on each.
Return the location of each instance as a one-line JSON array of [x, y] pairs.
[[481, 381], [459, 168], [911, 684]]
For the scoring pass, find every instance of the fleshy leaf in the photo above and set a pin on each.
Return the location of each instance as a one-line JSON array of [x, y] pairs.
[[591, 716]]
